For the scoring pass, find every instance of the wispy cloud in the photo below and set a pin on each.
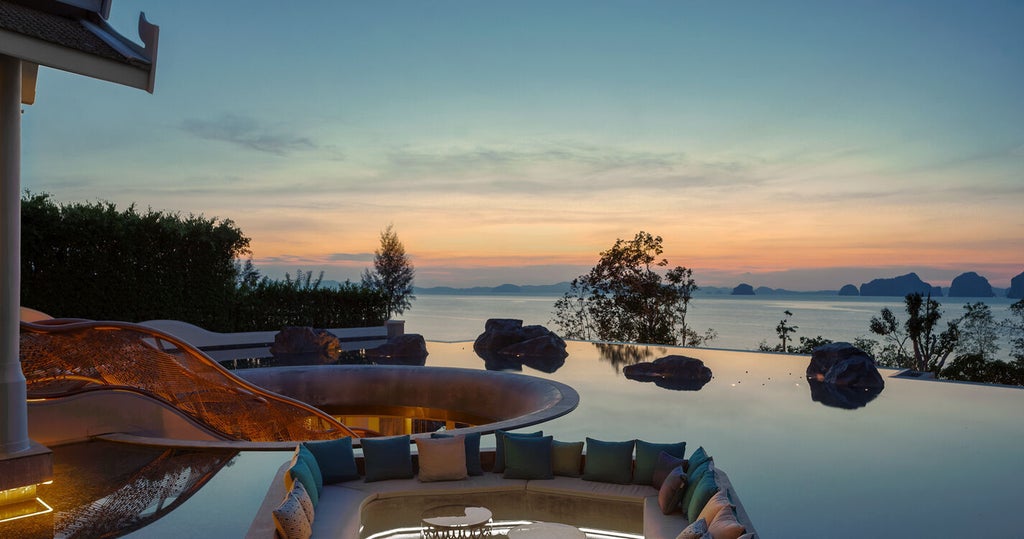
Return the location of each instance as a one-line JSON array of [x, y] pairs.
[[248, 133], [350, 257]]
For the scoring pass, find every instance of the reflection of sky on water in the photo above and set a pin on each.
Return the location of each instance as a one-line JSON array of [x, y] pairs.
[[922, 459]]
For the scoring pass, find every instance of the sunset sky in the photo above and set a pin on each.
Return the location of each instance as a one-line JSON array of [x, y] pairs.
[[802, 145]]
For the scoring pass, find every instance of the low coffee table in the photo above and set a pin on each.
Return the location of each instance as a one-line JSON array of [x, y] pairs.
[[456, 522], [546, 530]]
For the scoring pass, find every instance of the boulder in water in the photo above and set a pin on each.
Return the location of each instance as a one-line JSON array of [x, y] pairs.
[[680, 373], [843, 364], [407, 349]]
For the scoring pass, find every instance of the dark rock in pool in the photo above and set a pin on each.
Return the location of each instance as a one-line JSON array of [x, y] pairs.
[[849, 290], [408, 349], [680, 373], [507, 342], [743, 289], [847, 398], [970, 285], [297, 340], [843, 364]]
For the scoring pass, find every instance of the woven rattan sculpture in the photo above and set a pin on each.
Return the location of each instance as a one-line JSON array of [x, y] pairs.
[[63, 357]]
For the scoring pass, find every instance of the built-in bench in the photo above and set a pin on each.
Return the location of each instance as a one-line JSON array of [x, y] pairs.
[[356, 508]]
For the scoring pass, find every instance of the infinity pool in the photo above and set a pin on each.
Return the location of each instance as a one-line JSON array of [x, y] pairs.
[[923, 459]]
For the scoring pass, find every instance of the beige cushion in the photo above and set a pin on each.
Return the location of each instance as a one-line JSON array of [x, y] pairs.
[[290, 520], [717, 502], [725, 525], [442, 459]]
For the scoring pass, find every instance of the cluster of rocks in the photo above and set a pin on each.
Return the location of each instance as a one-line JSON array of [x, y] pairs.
[[843, 376], [299, 345], [506, 343], [680, 373]]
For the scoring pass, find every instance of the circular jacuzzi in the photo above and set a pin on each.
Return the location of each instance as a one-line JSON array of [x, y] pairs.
[[470, 400]]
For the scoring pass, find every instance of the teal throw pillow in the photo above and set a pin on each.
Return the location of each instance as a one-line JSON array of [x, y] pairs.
[[647, 457], [473, 466], [387, 458], [692, 478], [336, 460], [566, 458], [705, 489], [697, 458], [665, 464], [499, 446], [528, 457], [609, 462], [300, 472], [313, 466]]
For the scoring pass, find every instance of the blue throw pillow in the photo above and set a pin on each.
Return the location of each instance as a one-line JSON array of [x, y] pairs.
[[300, 472], [387, 458], [697, 458], [313, 466], [473, 466], [499, 446], [609, 462], [647, 457], [336, 460], [528, 457], [706, 488]]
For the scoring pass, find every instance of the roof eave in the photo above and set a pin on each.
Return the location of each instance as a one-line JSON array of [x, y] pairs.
[[138, 72]]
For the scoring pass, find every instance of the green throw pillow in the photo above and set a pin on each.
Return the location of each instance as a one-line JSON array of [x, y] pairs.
[[499, 446], [566, 457], [387, 458], [692, 477], [609, 462], [528, 457], [314, 467], [706, 488], [300, 472], [336, 460], [472, 451], [647, 457]]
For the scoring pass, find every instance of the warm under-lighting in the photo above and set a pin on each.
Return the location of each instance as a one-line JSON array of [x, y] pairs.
[[21, 502]]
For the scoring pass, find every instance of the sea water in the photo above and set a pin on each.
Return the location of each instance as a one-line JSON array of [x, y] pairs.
[[741, 322]]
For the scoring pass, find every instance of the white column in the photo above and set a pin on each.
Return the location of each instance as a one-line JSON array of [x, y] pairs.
[[13, 409]]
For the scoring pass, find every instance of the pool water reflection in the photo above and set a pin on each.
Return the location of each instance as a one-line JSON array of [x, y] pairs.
[[923, 458]]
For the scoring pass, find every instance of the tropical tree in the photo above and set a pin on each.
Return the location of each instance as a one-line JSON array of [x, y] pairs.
[[393, 274], [1014, 328], [631, 296], [929, 347], [979, 332]]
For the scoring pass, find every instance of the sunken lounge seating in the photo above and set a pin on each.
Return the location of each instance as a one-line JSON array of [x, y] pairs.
[[325, 490]]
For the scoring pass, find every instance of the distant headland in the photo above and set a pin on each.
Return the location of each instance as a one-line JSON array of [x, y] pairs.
[[966, 285]]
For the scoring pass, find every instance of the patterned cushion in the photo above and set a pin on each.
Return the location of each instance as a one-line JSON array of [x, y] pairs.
[[336, 460], [442, 459], [304, 501], [387, 458], [665, 464], [671, 491], [473, 466], [726, 525], [566, 458], [697, 530], [290, 520], [647, 457], [609, 462]]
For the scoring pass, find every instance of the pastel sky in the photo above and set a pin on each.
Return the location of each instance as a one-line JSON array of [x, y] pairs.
[[789, 144]]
